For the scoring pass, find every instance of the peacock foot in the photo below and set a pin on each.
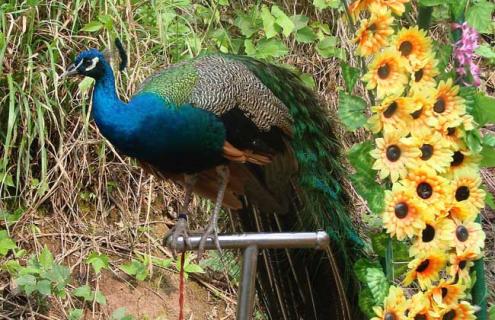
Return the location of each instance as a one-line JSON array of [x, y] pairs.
[[210, 232], [179, 230]]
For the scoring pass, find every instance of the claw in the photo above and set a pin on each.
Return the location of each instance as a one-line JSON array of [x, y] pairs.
[[180, 229], [210, 232]]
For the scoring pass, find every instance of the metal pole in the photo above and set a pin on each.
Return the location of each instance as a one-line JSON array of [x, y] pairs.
[[245, 304]]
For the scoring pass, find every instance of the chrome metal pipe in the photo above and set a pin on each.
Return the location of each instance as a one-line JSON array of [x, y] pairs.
[[316, 240], [247, 290]]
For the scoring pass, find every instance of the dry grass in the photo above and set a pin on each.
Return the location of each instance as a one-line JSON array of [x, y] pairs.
[[80, 196]]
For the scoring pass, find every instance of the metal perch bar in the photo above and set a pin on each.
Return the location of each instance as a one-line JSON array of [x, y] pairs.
[[251, 242]]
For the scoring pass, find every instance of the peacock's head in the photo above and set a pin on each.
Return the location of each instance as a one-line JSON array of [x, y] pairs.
[[89, 63], [93, 63]]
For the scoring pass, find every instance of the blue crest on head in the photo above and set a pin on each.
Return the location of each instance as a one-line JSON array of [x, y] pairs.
[[89, 54]]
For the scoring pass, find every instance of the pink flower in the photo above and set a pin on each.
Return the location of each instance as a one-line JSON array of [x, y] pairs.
[[464, 52]]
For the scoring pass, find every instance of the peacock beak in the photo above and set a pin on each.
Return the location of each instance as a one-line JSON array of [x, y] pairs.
[[71, 71]]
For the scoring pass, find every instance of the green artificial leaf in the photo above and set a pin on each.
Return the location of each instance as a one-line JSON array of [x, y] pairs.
[[360, 158], [473, 141], [308, 80], [84, 292], [399, 251], [6, 244], [75, 314], [283, 21], [351, 111], [98, 261], [379, 243], [46, 258], [457, 9], [268, 22], [488, 157], [100, 298], [350, 74], [469, 95], [370, 190], [367, 302], [361, 268], [305, 35], [489, 199], [300, 21], [92, 26], [44, 287], [327, 47], [479, 16], [274, 48], [483, 109], [444, 54], [488, 140], [377, 283]]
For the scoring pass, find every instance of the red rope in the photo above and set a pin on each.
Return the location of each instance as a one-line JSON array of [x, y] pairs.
[[181, 286]]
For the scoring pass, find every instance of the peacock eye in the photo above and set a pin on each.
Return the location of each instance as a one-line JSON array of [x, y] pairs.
[[87, 62]]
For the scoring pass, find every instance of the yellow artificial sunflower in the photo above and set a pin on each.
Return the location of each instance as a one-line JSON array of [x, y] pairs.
[[435, 150], [450, 129], [393, 155], [397, 6], [426, 268], [446, 293], [466, 188], [403, 216], [413, 44], [460, 265], [373, 32], [463, 159], [419, 307], [448, 105], [429, 188], [394, 305], [387, 73], [437, 234], [359, 5], [463, 211], [423, 73], [422, 103], [460, 311], [468, 235], [392, 114]]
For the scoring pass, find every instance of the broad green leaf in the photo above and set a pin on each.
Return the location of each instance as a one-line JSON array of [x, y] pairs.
[[469, 95], [299, 21], [59, 276], [100, 298], [193, 268], [120, 314], [366, 302], [350, 74], [130, 268], [361, 268], [46, 258], [351, 111], [106, 20], [308, 80], [324, 4], [6, 244], [164, 263], [271, 48], [135, 268], [92, 26], [479, 16], [489, 199], [98, 261], [485, 51], [44, 287], [444, 54], [377, 283], [246, 24], [473, 141], [11, 266], [488, 157], [431, 3], [305, 35], [75, 314], [268, 22], [491, 313], [26, 280], [489, 140], [6, 179], [84, 292], [370, 190], [249, 47], [283, 21], [85, 84], [484, 109], [360, 158], [457, 9], [327, 47]]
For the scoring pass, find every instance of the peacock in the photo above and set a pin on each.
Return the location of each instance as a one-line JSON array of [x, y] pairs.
[[252, 137]]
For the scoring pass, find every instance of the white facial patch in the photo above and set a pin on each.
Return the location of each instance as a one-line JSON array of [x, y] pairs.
[[94, 62]]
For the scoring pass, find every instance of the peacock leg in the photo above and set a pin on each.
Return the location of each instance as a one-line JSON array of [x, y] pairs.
[[212, 229], [181, 229]]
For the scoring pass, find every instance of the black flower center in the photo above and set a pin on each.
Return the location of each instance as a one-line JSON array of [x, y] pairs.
[[424, 190], [457, 159], [444, 292], [426, 151], [428, 233], [449, 315], [462, 233], [384, 71], [423, 265], [450, 131], [439, 106], [372, 27], [401, 209], [462, 264], [416, 114], [389, 316], [390, 110], [462, 193], [418, 75], [393, 153], [420, 317], [406, 48]]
